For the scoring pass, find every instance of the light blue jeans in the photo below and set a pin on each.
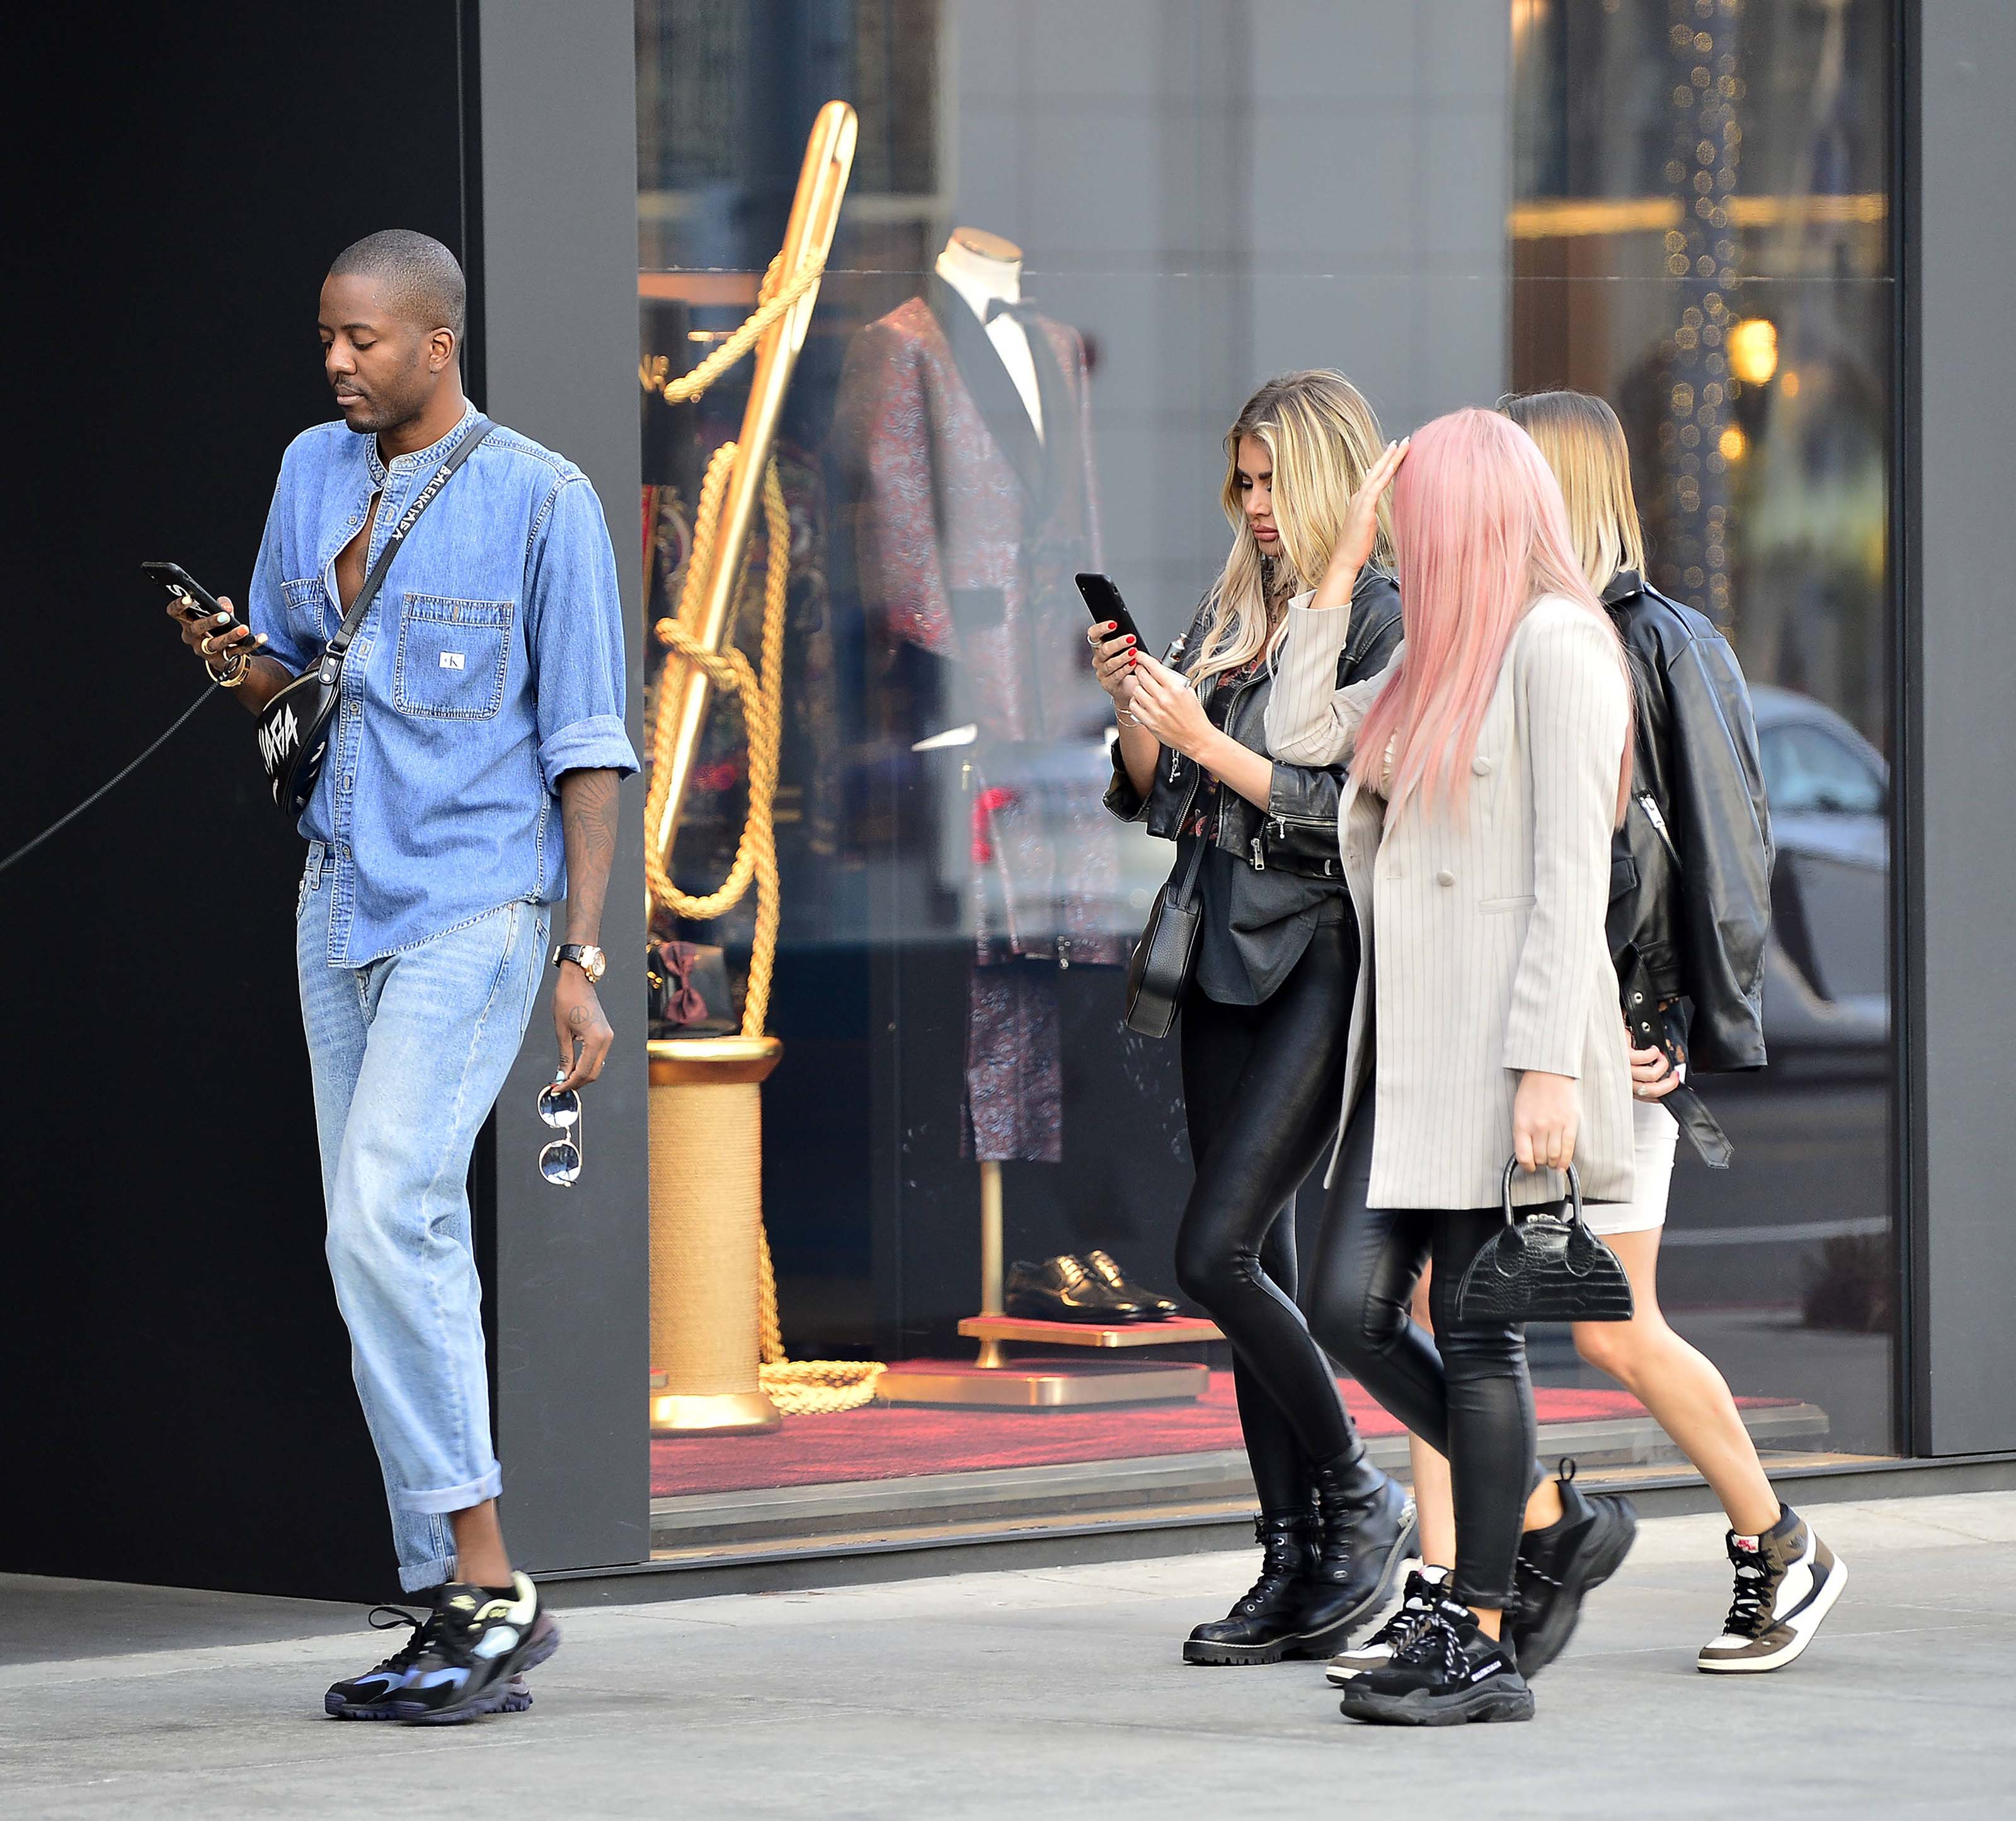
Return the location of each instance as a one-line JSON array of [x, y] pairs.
[[408, 1054]]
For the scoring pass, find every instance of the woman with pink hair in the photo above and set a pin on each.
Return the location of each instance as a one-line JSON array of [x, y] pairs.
[[1488, 766]]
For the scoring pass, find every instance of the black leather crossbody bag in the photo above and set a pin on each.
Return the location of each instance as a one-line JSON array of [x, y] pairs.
[[1165, 957], [1544, 1266], [293, 730]]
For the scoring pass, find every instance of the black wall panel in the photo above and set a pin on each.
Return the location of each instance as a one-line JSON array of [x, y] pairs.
[[174, 1376]]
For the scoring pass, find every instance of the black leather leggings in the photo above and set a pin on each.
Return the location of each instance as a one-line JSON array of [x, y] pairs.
[[1261, 1087], [1471, 1400]]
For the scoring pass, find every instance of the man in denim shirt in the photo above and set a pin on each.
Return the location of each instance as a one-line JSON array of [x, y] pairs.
[[481, 706]]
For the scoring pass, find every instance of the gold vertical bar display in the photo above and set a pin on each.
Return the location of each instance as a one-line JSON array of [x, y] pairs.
[[807, 236]]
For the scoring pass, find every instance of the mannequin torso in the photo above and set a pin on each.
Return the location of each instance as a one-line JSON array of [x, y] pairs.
[[983, 267]]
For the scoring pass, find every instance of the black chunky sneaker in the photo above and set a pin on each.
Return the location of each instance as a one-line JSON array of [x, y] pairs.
[[475, 1645], [1560, 1566], [1266, 1621], [1424, 1587], [1367, 1533], [1450, 1674], [369, 1697], [1787, 1581]]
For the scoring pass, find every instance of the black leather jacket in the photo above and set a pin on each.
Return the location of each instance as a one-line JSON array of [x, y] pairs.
[[1690, 870], [1297, 831]]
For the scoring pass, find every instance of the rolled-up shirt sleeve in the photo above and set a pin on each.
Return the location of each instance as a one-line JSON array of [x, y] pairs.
[[573, 622]]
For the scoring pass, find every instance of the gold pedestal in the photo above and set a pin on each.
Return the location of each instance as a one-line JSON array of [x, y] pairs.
[[707, 1211]]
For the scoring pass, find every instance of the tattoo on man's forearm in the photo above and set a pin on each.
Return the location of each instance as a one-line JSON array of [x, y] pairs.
[[588, 810]]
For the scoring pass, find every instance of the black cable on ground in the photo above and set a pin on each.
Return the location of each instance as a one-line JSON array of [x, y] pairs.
[[21, 853]]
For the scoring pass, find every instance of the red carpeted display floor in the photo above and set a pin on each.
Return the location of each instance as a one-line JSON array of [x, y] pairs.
[[879, 1443]]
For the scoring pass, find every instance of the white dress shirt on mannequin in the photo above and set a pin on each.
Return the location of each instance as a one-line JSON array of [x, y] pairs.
[[978, 280]]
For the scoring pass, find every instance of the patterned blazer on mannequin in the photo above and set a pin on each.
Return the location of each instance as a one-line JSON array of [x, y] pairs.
[[968, 530]]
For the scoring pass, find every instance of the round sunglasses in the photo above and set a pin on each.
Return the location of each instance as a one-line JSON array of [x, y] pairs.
[[559, 1163]]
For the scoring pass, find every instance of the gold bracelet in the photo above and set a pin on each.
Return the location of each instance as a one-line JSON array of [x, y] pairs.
[[232, 679]]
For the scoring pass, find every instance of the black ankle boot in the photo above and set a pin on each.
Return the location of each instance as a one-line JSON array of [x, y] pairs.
[[1267, 1620], [1366, 1534]]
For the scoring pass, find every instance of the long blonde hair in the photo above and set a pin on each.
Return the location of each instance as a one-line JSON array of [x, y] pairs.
[[1483, 535], [1322, 437], [1584, 444]]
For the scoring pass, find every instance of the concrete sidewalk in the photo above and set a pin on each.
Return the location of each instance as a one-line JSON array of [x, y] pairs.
[[1053, 1693]]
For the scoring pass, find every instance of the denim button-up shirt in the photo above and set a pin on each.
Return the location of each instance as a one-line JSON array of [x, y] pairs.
[[491, 663]]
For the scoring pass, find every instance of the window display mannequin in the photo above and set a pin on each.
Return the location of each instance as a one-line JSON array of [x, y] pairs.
[[963, 425]]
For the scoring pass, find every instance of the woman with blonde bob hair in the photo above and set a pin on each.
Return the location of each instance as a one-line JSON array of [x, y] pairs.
[[1486, 770], [1691, 877], [1264, 1015]]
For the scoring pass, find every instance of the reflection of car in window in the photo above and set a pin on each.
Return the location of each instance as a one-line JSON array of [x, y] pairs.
[[1826, 969]]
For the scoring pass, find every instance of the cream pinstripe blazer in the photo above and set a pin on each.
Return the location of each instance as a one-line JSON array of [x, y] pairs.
[[1481, 932]]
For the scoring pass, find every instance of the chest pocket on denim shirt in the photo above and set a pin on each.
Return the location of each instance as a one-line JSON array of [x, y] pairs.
[[305, 601], [452, 658]]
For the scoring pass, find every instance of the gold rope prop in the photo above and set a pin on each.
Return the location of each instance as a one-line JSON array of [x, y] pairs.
[[771, 305], [762, 697], [811, 1386]]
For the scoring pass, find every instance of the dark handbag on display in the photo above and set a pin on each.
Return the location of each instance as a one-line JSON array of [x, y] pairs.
[[293, 728], [686, 987], [1165, 957], [1544, 1266]]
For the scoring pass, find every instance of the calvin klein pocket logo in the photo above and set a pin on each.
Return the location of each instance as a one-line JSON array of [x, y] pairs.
[[450, 660]]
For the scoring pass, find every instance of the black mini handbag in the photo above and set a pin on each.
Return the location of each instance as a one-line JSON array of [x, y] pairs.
[[1544, 1266], [1165, 957], [292, 731]]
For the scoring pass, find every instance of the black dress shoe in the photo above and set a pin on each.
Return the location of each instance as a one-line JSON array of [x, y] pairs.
[[1101, 1266], [1061, 1290]]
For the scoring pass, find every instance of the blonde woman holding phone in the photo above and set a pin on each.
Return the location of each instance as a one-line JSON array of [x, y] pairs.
[[1264, 1019]]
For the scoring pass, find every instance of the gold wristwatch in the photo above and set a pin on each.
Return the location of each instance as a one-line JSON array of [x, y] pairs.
[[584, 955]]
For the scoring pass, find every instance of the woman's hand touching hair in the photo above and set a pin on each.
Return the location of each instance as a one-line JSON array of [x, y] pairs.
[[1361, 529]]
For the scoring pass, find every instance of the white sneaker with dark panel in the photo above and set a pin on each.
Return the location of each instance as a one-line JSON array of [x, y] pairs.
[[1787, 1581], [1403, 1626]]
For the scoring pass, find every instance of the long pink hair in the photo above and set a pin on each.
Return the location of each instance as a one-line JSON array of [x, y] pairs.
[[1480, 533]]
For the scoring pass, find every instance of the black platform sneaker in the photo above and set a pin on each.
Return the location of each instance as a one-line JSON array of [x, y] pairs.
[[1450, 1674], [1787, 1581], [1560, 1566], [472, 1649], [1403, 1626], [369, 1697]]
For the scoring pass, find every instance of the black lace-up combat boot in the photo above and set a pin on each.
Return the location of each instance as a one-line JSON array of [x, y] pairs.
[[1366, 1536], [1267, 1622]]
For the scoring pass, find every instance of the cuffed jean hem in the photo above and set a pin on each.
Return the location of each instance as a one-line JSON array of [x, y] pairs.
[[418, 1578], [455, 1497]]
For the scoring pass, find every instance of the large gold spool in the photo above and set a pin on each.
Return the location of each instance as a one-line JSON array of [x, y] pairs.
[[707, 1214]]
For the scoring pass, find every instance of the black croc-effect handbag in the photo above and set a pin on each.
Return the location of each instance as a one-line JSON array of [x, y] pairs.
[[1165, 957], [1544, 1266], [293, 731]]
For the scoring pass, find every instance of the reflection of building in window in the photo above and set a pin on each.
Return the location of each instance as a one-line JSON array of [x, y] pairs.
[[1737, 311]]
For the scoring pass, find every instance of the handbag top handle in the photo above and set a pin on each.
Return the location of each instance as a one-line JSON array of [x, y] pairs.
[[1572, 1212], [480, 427]]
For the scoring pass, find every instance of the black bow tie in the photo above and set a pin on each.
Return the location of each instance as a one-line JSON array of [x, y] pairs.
[[1024, 312]]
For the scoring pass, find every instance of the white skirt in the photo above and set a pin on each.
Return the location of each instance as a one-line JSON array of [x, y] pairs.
[[1655, 1132]]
